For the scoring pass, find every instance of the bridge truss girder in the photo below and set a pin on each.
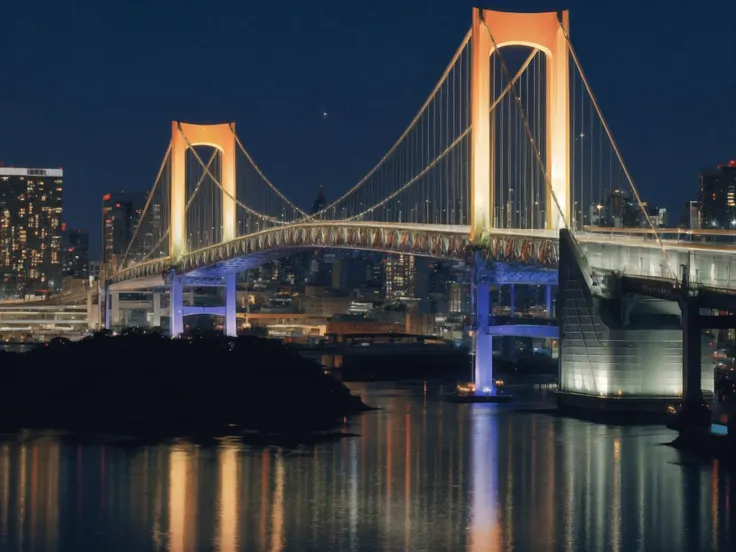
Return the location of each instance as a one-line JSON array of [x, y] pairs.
[[249, 251]]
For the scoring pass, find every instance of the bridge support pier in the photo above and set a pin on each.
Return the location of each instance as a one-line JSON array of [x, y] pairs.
[[624, 354], [693, 420], [114, 310], [692, 392], [178, 311], [176, 305], [106, 305], [231, 303], [156, 320], [485, 383]]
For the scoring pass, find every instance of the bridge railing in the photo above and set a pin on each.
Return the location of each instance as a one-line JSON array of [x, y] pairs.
[[713, 237], [713, 266]]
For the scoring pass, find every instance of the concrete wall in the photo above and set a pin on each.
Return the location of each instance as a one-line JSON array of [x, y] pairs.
[[628, 346]]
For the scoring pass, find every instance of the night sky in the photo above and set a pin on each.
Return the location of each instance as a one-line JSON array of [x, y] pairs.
[[93, 86]]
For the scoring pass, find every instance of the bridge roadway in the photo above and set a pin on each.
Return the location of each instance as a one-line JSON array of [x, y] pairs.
[[629, 251]]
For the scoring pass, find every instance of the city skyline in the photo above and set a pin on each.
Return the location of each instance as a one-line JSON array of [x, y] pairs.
[[288, 123]]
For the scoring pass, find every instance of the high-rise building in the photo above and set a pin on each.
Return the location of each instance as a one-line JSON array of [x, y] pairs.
[[120, 215], [75, 253], [353, 271], [30, 230], [399, 275], [622, 211], [690, 218], [717, 197]]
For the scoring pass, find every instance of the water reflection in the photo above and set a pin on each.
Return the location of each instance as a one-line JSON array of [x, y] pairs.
[[484, 522], [421, 475]]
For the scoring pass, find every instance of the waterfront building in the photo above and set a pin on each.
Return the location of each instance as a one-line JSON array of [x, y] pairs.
[[37, 323], [30, 231]]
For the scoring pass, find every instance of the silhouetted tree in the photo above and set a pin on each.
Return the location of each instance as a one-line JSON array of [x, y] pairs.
[[142, 377]]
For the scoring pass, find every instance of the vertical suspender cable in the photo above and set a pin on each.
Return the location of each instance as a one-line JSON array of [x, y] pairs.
[[618, 153]]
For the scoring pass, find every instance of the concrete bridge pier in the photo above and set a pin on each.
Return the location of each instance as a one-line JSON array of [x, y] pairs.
[[231, 304], [693, 420], [179, 311], [114, 309], [157, 310], [620, 354], [176, 305], [484, 377], [692, 352], [485, 382], [106, 305], [113, 313]]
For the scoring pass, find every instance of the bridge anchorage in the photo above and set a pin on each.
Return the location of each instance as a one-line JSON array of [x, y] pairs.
[[508, 165]]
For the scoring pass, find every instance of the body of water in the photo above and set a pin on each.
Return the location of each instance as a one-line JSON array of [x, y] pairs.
[[422, 474]]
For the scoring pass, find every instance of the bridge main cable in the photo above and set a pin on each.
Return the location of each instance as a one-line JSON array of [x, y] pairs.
[[263, 176], [186, 207], [148, 203], [219, 185], [406, 132], [371, 207]]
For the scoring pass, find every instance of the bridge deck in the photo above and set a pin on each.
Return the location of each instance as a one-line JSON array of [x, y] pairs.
[[630, 251]]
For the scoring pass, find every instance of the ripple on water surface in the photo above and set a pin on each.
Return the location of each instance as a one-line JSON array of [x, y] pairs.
[[421, 474]]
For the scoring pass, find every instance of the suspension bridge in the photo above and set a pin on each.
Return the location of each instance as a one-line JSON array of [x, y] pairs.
[[507, 162]]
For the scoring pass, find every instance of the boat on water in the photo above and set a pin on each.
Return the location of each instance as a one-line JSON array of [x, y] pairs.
[[468, 393]]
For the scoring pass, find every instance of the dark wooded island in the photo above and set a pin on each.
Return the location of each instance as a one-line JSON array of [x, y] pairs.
[[145, 381]]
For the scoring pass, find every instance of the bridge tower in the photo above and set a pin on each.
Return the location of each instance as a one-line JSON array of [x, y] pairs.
[[184, 136], [536, 30]]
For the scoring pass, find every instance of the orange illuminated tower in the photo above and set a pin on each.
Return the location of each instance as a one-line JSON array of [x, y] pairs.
[[535, 30], [184, 135]]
